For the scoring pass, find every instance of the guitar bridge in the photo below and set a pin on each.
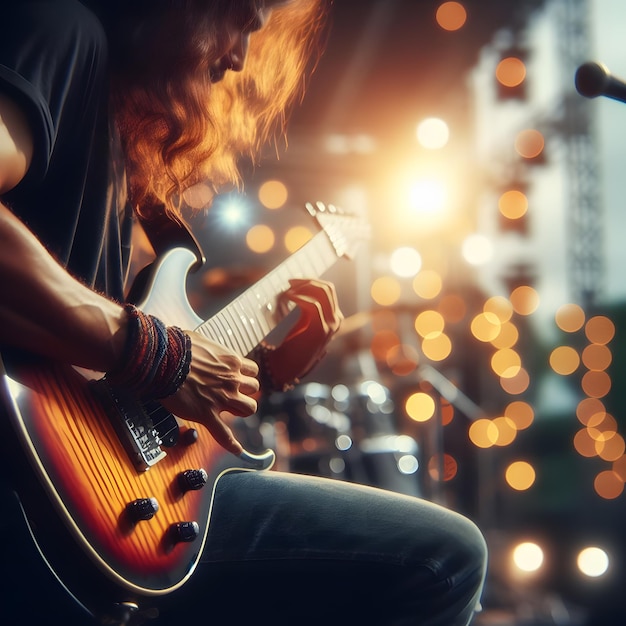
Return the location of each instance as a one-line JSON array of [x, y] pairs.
[[133, 425]]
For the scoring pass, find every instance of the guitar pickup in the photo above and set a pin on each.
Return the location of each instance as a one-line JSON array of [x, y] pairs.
[[133, 425]]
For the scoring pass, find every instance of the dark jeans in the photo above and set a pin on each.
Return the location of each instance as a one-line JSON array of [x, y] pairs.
[[297, 550]]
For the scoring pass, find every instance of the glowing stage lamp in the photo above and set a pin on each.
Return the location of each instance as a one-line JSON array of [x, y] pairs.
[[528, 557], [593, 562]]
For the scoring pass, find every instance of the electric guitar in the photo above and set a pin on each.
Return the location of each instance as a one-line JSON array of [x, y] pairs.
[[131, 484]]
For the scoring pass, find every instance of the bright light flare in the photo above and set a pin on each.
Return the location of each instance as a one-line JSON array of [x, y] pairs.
[[433, 133], [428, 196], [477, 250], [233, 212], [406, 262], [593, 562], [528, 557]]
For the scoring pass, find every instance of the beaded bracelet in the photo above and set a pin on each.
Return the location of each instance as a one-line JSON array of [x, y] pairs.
[[156, 358], [266, 380]]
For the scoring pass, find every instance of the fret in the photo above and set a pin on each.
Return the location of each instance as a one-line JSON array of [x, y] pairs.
[[233, 324], [254, 305], [304, 262], [210, 331], [227, 333], [246, 323]]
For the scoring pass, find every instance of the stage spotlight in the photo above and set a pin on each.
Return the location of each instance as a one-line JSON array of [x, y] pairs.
[[233, 211], [428, 196]]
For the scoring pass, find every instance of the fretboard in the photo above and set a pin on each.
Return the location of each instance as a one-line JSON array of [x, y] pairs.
[[248, 319]]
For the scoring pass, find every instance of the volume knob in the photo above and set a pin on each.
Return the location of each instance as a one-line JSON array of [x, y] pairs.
[[184, 532], [192, 479], [142, 509]]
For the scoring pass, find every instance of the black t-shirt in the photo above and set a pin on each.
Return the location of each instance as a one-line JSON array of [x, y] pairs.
[[53, 60]]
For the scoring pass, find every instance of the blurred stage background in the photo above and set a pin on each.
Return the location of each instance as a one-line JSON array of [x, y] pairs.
[[481, 362]]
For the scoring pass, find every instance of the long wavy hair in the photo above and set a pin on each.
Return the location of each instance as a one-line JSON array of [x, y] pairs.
[[178, 129]]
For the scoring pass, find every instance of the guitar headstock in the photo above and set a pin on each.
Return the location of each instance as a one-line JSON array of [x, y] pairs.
[[344, 229]]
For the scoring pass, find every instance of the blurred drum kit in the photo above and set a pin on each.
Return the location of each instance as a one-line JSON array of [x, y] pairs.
[[341, 432]]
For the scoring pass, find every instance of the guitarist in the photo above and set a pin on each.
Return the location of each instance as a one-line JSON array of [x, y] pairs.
[[109, 110]]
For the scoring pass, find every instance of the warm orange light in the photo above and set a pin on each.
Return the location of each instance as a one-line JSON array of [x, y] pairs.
[[420, 407], [570, 318], [507, 432], [608, 485], [506, 363], [296, 237], [507, 337], [529, 143], [604, 428], [483, 433], [429, 324], [451, 16], [597, 357], [386, 291], [600, 329], [382, 342], [612, 448], [564, 360], [513, 204], [500, 307], [450, 467], [596, 384], [584, 444], [517, 384], [453, 308], [590, 411], [447, 413], [427, 284], [520, 475], [511, 72], [437, 348], [485, 327], [525, 300], [273, 194], [402, 359], [521, 413], [260, 238], [619, 467]]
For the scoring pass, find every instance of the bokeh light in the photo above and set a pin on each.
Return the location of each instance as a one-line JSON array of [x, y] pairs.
[[260, 238], [451, 16], [520, 475], [528, 557], [433, 133], [513, 204], [511, 71], [273, 194], [529, 144], [593, 562]]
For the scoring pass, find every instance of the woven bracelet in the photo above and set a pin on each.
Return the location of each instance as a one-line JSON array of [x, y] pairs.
[[156, 358]]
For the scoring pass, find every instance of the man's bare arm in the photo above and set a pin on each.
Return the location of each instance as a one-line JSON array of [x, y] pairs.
[[42, 308]]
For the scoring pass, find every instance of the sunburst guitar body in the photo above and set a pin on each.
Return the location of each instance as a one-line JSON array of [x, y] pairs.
[[123, 486]]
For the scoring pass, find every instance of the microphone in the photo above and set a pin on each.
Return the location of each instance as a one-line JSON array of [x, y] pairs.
[[594, 79]]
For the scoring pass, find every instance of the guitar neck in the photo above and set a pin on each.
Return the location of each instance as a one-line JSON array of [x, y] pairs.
[[248, 319]]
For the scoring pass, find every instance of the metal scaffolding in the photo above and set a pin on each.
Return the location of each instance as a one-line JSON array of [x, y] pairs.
[[576, 130]]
